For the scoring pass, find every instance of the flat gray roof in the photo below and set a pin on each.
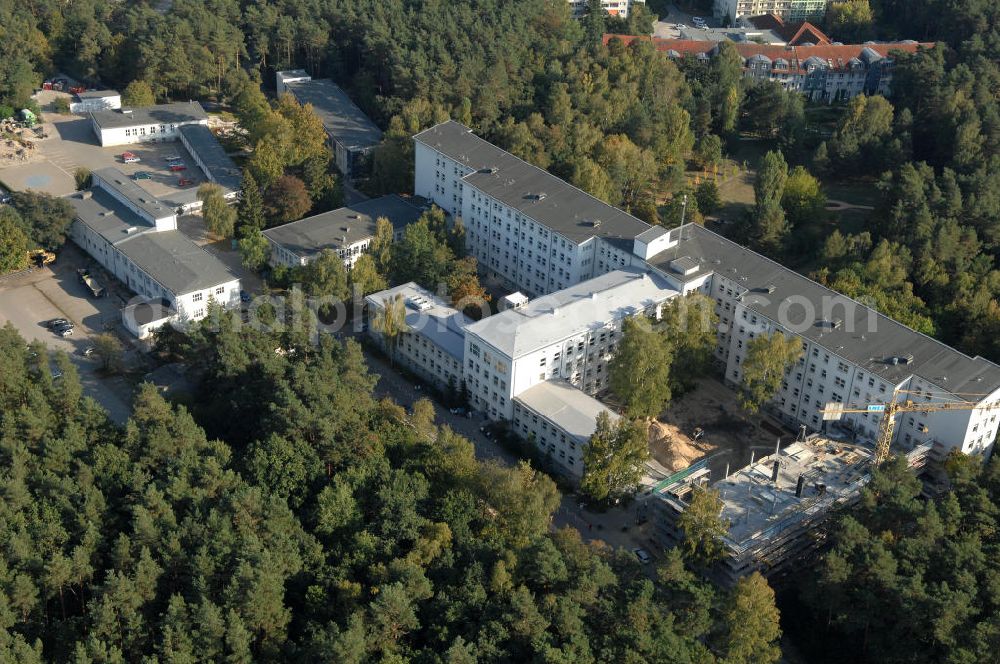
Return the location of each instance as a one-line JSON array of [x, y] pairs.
[[341, 117], [344, 226], [440, 323], [222, 168], [102, 212], [590, 304], [97, 94], [567, 407], [533, 191], [172, 113], [128, 188], [175, 261], [873, 350]]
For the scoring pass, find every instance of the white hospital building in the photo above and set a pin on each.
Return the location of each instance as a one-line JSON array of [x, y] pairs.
[[586, 266]]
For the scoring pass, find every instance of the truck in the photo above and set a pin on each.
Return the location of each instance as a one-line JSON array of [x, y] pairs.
[[96, 289]]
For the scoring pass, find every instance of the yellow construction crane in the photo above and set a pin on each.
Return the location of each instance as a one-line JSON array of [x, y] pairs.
[[888, 411]]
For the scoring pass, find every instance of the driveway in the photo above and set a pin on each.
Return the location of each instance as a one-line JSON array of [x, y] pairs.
[[27, 300]]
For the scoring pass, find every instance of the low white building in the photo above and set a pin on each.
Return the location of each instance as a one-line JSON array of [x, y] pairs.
[[559, 420], [89, 101], [433, 343], [148, 124], [570, 335], [348, 231], [212, 159], [135, 238]]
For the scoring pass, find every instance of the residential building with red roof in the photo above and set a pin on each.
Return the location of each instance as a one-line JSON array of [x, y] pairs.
[[828, 73]]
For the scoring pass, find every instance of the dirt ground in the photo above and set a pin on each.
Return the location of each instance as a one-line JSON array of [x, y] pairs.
[[729, 435]]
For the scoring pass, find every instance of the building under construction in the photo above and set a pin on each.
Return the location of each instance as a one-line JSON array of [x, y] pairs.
[[776, 506]]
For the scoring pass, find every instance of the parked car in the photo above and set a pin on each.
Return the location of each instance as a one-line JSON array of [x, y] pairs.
[[55, 322], [130, 157], [457, 411], [5, 199], [172, 157], [89, 350], [142, 175], [178, 167], [185, 182], [698, 21], [642, 555], [56, 374], [681, 26], [65, 331]]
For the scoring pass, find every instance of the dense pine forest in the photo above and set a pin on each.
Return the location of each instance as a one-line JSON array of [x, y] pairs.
[[287, 515]]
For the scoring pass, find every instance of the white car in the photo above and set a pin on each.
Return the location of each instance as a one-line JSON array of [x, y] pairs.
[[681, 26]]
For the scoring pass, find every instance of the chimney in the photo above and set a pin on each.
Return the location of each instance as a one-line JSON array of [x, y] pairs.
[[799, 486], [774, 470]]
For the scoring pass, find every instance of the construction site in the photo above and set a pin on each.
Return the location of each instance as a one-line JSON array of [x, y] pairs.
[[707, 427], [776, 506]]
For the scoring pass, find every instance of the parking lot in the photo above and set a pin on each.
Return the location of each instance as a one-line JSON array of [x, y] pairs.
[[28, 300], [71, 144]]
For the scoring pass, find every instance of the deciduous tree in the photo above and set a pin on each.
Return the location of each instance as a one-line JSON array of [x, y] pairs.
[[639, 374], [767, 359], [614, 458]]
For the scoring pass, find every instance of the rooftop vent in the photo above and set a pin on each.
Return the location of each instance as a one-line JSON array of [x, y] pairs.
[[539, 196], [418, 302], [352, 216], [837, 323], [344, 228], [86, 195], [131, 229], [492, 170], [595, 223]]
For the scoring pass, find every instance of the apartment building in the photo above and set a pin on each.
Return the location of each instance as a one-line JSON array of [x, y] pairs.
[[148, 124], [789, 10], [569, 335], [824, 73], [852, 354], [433, 344], [619, 8], [526, 227], [348, 231], [135, 238]]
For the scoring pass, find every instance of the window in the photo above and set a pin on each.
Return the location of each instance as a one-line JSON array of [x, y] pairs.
[[196, 297], [220, 290]]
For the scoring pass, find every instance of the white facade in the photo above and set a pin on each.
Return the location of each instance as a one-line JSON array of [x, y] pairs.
[[431, 347], [536, 258], [569, 336], [152, 124], [619, 8], [89, 104], [789, 10]]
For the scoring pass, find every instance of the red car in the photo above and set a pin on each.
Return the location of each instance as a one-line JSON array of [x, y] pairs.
[[178, 167], [185, 182]]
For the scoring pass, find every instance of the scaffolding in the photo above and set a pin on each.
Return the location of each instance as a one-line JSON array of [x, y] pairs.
[[776, 506]]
